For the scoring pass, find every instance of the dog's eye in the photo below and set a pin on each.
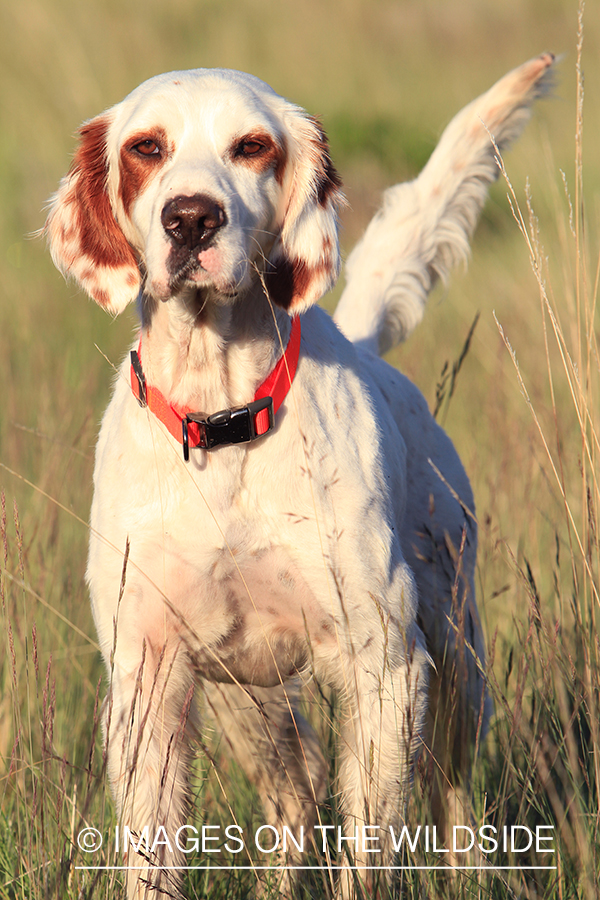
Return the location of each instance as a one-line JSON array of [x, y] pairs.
[[249, 148], [147, 148]]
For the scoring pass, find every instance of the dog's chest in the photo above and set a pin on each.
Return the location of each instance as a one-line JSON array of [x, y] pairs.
[[225, 555], [270, 620], [251, 617]]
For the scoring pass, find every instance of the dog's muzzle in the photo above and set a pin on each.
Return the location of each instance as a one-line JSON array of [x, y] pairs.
[[192, 222]]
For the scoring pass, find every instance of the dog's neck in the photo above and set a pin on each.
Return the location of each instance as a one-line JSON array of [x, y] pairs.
[[206, 354]]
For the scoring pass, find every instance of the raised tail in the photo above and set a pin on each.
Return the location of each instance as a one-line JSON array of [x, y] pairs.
[[424, 226]]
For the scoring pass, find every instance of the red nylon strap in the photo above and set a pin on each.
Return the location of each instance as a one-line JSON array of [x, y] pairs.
[[276, 385], [261, 421]]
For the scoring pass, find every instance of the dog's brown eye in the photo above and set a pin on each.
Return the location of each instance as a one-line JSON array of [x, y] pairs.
[[249, 148], [147, 148]]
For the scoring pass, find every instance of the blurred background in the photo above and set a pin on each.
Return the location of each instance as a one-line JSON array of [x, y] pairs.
[[385, 77]]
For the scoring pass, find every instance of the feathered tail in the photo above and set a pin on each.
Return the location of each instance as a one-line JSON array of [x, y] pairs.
[[424, 226]]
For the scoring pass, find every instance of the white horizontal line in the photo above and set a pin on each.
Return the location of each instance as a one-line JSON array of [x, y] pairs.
[[317, 868]]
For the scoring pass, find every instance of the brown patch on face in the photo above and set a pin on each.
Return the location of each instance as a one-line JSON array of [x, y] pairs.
[[327, 179], [100, 237], [141, 156], [260, 151]]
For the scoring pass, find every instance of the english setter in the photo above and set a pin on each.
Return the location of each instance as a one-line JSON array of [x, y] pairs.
[[272, 501]]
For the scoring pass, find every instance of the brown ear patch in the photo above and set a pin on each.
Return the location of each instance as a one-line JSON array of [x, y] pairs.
[[327, 179], [288, 280], [291, 282], [304, 261], [100, 238], [85, 239]]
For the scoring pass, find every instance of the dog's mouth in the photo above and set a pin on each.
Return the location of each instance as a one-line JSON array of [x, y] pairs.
[[202, 273], [191, 272]]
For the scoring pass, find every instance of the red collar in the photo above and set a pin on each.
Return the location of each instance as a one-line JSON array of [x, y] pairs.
[[228, 426]]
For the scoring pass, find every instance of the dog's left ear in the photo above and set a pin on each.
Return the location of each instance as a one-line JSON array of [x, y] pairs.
[[305, 260], [85, 240]]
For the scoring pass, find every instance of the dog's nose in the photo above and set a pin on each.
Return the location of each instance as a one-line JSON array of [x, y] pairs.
[[192, 221]]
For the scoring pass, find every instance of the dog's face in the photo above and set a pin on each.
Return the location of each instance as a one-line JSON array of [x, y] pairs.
[[202, 180]]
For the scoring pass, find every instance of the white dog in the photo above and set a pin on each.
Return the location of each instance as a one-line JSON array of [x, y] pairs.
[[253, 543]]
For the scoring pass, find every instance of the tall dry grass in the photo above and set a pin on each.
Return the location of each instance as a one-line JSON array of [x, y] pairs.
[[554, 723]]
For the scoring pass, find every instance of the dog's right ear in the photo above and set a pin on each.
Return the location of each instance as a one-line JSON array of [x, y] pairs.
[[305, 259], [84, 237]]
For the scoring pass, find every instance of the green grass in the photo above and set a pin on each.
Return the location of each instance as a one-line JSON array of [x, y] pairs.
[[525, 412]]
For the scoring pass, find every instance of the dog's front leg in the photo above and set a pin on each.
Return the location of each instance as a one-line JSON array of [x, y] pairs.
[[148, 725], [386, 704]]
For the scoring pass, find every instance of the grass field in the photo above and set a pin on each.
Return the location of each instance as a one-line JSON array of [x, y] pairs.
[[525, 411]]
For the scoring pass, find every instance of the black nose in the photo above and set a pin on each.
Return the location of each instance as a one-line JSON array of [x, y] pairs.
[[192, 221]]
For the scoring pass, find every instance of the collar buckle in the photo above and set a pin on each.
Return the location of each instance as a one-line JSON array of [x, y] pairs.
[[228, 426]]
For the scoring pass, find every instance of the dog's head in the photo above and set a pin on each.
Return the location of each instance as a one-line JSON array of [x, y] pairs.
[[202, 180]]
